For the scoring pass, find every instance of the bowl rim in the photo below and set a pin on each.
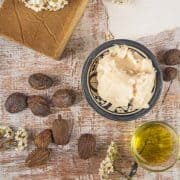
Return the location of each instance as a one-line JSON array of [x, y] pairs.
[[84, 79]]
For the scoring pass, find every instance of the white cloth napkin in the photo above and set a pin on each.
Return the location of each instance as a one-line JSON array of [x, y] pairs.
[[139, 18]]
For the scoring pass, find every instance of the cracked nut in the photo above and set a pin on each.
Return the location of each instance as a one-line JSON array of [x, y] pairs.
[[63, 98], [39, 106], [38, 157], [16, 102], [61, 131], [43, 139], [86, 146], [40, 81], [172, 57], [169, 74]]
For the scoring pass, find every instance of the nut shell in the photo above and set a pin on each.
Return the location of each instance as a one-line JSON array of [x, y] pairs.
[[63, 98], [40, 81], [86, 146], [16, 102], [169, 74], [43, 139], [172, 57], [39, 106], [38, 157], [61, 131]]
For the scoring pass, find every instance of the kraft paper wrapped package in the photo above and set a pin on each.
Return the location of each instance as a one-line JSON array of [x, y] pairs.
[[46, 32]]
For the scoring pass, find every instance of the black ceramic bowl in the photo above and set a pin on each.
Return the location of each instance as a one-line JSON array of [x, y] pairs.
[[89, 82]]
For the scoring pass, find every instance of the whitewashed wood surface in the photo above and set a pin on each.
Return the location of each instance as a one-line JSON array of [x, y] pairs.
[[17, 63]]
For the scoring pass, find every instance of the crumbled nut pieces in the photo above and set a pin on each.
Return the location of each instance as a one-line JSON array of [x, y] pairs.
[[63, 98], [18, 139], [169, 74], [39, 106], [40, 81], [48, 5], [86, 146], [61, 131], [106, 166], [16, 102], [172, 57]]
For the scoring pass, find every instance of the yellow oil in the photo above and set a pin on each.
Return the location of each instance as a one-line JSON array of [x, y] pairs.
[[153, 144]]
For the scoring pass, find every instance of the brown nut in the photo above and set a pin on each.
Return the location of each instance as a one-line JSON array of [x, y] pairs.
[[172, 57], [61, 131], [43, 139], [39, 106], [86, 146], [63, 98], [38, 157], [16, 102], [169, 74], [40, 81]]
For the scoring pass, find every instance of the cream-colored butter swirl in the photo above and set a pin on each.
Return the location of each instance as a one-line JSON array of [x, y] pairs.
[[125, 77]]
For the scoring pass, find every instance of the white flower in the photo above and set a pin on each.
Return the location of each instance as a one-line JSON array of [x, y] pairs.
[[109, 168], [21, 136], [112, 151], [119, 1], [106, 166], [2, 131], [21, 145], [108, 36], [54, 5], [39, 5], [7, 132]]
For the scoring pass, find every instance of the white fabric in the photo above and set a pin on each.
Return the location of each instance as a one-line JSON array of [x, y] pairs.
[[139, 18]]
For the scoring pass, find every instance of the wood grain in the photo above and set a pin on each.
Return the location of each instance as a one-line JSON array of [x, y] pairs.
[[17, 63]]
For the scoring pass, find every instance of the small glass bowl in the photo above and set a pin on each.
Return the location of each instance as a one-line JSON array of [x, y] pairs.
[[171, 160]]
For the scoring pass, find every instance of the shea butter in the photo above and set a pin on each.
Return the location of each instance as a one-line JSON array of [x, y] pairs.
[[125, 78]]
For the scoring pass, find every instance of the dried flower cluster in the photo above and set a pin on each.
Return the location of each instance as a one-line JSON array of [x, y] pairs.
[[108, 36], [106, 166], [119, 1], [12, 138], [21, 137], [48, 5], [6, 132]]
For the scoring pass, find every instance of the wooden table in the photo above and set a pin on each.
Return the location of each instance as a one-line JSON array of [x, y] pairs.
[[17, 63]]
